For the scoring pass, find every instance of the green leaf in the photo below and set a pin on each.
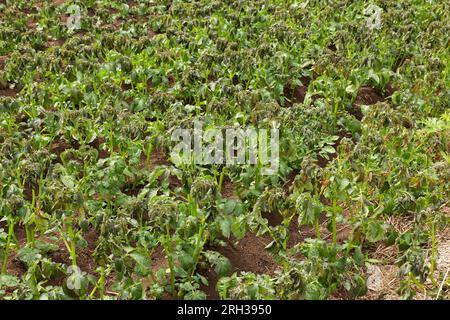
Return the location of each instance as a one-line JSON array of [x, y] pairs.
[[329, 149], [29, 255], [225, 227], [229, 206], [222, 266], [358, 256], [7, 280], [68, 181], [375, 231], [143, 262]]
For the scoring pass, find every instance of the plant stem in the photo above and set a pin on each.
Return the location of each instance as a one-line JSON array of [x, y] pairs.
[[8, 243], [317, 229], [333, 222], [198, 246], [219, 188], [433, 246], [168, 249]]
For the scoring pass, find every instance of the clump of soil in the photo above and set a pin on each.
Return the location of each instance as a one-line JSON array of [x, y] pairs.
[[54, 43], [8, 92], [2, 62], [157, 158], [85, 258], [389, 90], [296, 94], [228, 190], [102, 153], [370, 96], [248, 255], [58, 147], [31, 24], [366, 96], [14, 266]]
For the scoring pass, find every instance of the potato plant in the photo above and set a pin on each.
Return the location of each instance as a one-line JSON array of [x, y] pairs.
[[93, 207]]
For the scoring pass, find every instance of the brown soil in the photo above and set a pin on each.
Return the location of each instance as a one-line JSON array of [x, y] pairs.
[[332, 47], [59, 147], [389, 90], [210, 290], [97, 143], [298, 234], [228, 190], [29, 10], [31, 23], [20, 234], [85, 259], [2, 62], [366, 96], [125, 86], [171, 79], [58, 2], [54, 43], [151, 33], [14, 266], [342, 233], [248, 255], [157, 158], [296, 94], [174, 182], [8, 92], [159, 259]]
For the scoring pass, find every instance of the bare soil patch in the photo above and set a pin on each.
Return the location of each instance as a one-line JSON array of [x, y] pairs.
[[85, 259], [228, 190], [296, 94], [2, 62], [157, 158], [248, 255], [366, 96], [54, 43], [97, 144], [58, 2], [8, 92]]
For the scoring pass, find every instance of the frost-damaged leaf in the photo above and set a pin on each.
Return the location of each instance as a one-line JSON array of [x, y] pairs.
[[143, 261], [7, 280], [329, 149], [375, 231], [225, 227], [68, 181], [222, 265], [29, 255]]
